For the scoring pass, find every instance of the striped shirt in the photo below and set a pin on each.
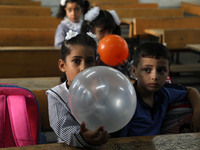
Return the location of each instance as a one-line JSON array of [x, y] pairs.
[[61, 119]]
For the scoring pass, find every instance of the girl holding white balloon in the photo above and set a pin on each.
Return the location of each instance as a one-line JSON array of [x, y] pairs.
[[78, 52]]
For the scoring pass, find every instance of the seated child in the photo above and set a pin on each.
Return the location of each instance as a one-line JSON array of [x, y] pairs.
[[78, 52], [71, 12], [151, 68], [101, 22]]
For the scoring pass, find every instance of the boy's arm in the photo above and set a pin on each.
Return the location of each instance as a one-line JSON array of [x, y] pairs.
[[194, 97]]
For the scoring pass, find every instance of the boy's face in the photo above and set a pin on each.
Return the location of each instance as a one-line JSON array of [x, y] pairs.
[[151, 73], [79, 59], [73, 11]]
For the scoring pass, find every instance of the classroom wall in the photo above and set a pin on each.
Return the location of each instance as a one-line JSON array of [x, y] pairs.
[[54, 4], [169, 3]]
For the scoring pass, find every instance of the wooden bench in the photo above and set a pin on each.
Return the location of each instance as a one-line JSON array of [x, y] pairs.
[[24, 11], [18, 62], [20, 2], [26, 37], [140, 24], [149, 12], [192, 8], [107, 5], [29, 22], [43, 105]]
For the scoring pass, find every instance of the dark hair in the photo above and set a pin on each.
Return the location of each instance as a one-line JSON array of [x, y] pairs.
[[151, 50], [84, 4], [80, 39], [104, 20]]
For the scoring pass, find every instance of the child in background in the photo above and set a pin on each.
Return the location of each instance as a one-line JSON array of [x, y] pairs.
[[72, 10], [151, 68], [101, 22], [78, 52]]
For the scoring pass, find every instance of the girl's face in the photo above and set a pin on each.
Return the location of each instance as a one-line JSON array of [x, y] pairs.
[[151, 74], [80, 58], [73, 11], [99, 33]]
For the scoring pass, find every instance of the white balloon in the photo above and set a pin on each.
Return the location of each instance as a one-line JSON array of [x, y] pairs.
[[102, 96]]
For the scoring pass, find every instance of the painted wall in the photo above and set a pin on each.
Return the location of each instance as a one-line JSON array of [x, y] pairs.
[[54, 4], [169, 3]]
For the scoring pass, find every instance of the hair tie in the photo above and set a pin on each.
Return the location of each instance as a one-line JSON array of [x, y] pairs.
[[115, 16], [92, 14], [92, 36], [71, 34], [62, 2]]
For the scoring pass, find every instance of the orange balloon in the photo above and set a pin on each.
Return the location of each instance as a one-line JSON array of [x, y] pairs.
[[113, 50]]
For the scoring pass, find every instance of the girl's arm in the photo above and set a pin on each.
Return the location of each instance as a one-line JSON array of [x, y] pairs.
[[194, 97], [64, 124]]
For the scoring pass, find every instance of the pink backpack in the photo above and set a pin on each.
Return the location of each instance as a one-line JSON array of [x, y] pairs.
[[19, 117]]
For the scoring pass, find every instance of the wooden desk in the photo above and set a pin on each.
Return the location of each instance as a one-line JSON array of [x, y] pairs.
[[111, 5], [156, 32], [27, 36], [6, 10], [195, 47], [176, 39], [192, 8], [129, 22], [48, 22], [142, 23], [29, 61], [161, 142]]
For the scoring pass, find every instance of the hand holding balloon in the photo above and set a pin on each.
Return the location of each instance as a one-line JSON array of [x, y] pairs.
[[102, 96], [97, 137], [113, 50]]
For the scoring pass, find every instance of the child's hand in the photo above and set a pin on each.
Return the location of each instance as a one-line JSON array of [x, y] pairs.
[[195, 125], [97, 137]]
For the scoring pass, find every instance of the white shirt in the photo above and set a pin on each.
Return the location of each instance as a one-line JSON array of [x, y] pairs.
[[61, 119], [63, 28]]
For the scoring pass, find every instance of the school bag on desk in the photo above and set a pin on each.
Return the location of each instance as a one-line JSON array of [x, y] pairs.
[[19, 117]]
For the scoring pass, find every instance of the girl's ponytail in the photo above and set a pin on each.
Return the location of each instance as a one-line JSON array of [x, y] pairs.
[[86, 6], [61, 12]]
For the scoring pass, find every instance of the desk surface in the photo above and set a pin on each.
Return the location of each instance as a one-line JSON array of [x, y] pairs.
[[40, 83], [195, 47], [187, 141], [155, 32]]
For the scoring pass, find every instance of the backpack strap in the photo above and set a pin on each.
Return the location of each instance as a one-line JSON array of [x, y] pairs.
[[2, 118], [19, 120]]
